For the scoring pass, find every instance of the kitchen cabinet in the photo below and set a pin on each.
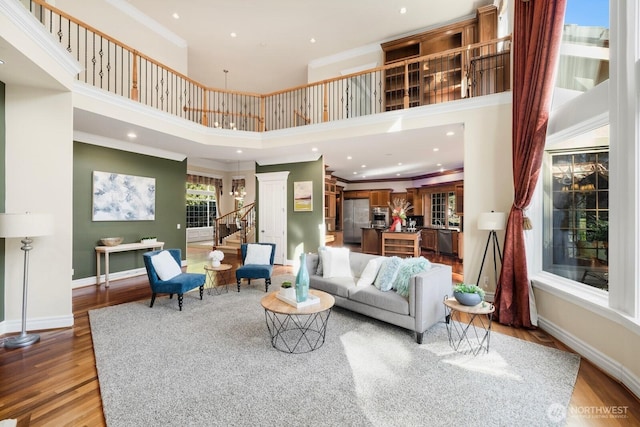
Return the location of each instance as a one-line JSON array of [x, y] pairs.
[[356, 194], [429, 239], [379, 198], [402, 244], [372, 241], [415, 198], [459, 189]]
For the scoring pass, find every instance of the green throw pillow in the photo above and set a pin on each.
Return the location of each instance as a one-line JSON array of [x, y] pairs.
[[387, 274], [409, 268]]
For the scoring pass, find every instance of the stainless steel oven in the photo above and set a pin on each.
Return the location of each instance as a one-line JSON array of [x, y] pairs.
[[379, 217]]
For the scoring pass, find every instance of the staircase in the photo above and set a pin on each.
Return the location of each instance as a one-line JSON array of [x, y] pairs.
[[235, 228]]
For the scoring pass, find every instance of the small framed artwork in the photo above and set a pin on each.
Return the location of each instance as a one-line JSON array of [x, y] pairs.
[[303, 196]]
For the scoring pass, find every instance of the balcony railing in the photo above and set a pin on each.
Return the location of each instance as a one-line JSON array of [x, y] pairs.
[[474, 70]]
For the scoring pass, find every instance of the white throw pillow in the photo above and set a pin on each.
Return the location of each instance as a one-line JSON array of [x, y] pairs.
[[370, 272], [258, 254], [165, 265], [335, 263]]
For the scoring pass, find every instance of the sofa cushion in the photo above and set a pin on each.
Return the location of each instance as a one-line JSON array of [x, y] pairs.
[[389, 301], [335, 286], [408, 268], [320, 269], [335, 263], [370, 272], [387, 274]]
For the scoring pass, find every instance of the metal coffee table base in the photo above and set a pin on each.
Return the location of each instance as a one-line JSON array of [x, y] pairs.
[[297, 333]]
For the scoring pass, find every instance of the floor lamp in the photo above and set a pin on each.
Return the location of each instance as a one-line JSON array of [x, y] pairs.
[[24, 226], [491, 221]]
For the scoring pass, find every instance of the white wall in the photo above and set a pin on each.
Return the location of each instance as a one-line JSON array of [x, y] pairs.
[[39, 165], [121, 23]]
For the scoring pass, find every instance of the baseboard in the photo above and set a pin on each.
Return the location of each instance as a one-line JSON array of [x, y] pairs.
[[610, 366], [91, 280], [39, 324]]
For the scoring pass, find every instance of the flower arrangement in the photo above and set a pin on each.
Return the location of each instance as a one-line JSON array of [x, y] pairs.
[[399, 208], [216, 256]]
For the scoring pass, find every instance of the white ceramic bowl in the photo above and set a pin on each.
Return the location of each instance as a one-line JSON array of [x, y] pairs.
[[111, 241]]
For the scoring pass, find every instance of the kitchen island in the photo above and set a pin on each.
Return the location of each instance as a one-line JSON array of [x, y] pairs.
[[372, 240], [404, 244]]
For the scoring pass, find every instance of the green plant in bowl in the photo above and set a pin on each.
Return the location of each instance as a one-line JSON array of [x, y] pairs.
[[468, 294], [286, 285]]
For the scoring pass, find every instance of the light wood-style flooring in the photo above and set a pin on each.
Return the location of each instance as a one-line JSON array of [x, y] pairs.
[[55, 383]]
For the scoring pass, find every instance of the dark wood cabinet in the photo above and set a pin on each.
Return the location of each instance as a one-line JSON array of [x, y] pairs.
[[429, 239], [459, 189], [372, 241], [440, 77], [379, 198]]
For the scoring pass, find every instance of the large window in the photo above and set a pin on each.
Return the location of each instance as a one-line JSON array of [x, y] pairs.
[[578, 221], [201, 205], [443, 210]]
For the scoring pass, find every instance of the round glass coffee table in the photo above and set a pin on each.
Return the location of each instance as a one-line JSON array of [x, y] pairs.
[[297, 330]]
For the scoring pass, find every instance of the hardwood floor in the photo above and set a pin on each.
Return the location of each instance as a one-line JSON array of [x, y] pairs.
[[55, 383]]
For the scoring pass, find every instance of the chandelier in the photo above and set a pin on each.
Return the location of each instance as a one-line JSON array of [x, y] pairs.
[[237, 191], [230, 125]]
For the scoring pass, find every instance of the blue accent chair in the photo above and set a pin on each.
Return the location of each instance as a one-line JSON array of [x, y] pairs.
[[255, 271], [180, 284]]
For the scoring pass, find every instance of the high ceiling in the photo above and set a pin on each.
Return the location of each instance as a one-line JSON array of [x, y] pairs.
[[272, 47]]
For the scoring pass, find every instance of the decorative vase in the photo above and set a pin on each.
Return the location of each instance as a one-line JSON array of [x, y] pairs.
[[465, 298], [302, 280], [398, 226]]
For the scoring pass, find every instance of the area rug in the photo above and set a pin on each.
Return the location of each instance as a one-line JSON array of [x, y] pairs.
[[213, 364]]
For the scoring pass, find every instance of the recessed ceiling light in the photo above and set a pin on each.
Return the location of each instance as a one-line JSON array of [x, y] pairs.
[[314, 149], [312, 40], [355, 173], [175, 15], [363, 166], [399, 163], [349, 157], [403, 10], [397, 174], [436, 149], [441, 169], [439, 164], [1, 62], [451, 133], [239, 151], [132, 135], [233, 35]]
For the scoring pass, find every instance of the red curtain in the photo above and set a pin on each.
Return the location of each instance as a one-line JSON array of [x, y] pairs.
[[536, 37]]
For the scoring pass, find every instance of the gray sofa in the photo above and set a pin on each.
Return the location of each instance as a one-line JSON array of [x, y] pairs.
[[422, 309]]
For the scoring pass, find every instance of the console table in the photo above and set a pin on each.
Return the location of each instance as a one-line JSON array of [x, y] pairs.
[[106, 250]]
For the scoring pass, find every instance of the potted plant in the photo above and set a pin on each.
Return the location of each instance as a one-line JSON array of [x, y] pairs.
[[216, 256], [468, 294], [287, 290], [148, 239]]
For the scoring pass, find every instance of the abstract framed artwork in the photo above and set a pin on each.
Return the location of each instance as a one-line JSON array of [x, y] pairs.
[[118, 197], [303, 196]]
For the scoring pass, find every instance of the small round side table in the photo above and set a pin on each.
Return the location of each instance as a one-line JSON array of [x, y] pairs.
[[217, 277], [474, 331]]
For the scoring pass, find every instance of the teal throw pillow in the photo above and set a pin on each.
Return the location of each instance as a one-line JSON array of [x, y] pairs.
[[387, 274], [410, 267]]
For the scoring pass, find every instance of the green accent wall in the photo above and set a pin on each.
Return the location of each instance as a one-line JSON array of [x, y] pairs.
[[302, 227], [3, 180], [170, 179]]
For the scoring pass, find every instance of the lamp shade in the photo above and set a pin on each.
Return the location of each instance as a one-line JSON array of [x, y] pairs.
[[25, 224], [492, 221]]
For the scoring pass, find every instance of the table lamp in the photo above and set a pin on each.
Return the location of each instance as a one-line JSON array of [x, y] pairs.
[[24, 226]]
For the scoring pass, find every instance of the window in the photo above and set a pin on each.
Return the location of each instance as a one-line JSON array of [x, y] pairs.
[[201, 205], [577, 224], [443, 210]]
